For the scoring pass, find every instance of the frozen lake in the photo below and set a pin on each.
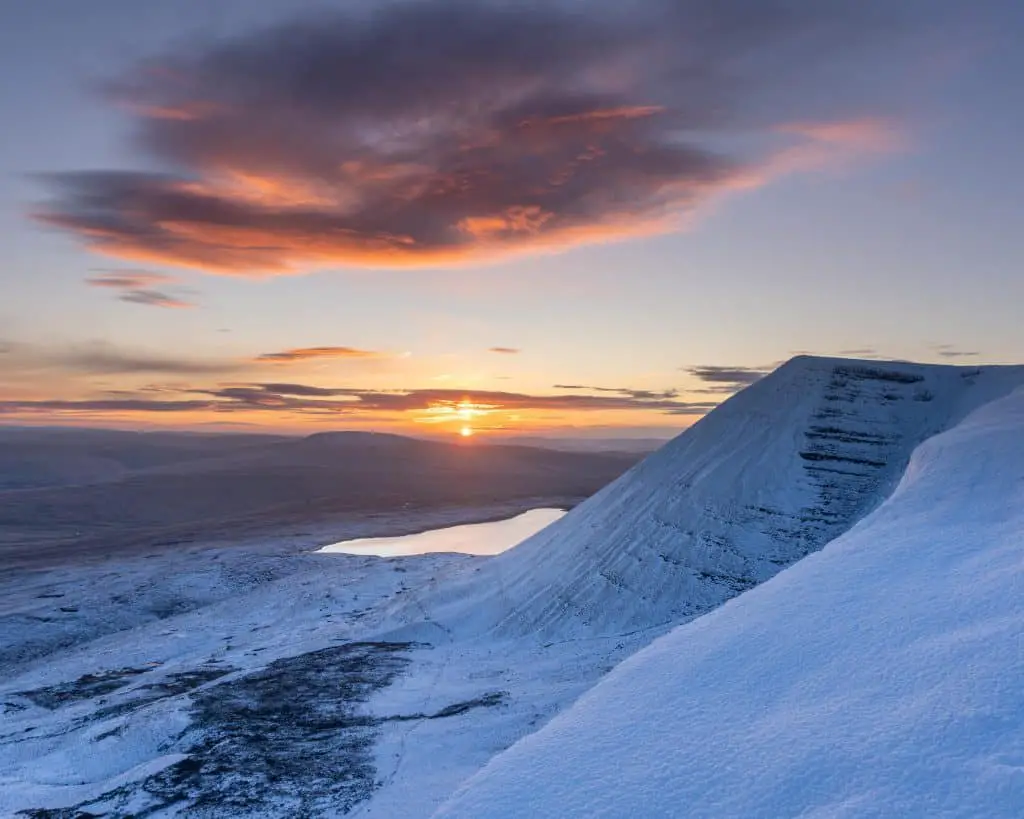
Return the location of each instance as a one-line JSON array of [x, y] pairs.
[[471, 539]]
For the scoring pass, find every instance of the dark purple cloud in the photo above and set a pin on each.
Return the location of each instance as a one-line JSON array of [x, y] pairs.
[[440, 130], [639, 395], [102, 405], [299, 397], [304, 399], [719, 380], [729, 375]]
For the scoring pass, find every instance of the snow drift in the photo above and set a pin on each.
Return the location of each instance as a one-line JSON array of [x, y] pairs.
[[880, 677]]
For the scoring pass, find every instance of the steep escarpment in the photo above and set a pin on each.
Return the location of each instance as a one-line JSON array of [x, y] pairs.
[[772, 475], [879, 677]]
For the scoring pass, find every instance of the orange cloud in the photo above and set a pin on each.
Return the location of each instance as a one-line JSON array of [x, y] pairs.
[[309, 353], [603, 114], [501, 141], [866, 135]]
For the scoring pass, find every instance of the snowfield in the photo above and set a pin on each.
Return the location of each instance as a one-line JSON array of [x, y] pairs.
[[879, 677]]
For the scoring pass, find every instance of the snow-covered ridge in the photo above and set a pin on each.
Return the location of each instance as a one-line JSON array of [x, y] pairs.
[[880, 677], [772, 475]]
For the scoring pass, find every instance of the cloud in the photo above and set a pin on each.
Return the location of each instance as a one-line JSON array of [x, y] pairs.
[[303, 399], [639, 395], [726, 380], [154, 298], [102, 405], [297, 397], [308, 353], [99, 358], [136, 287], [729, 375], [948, 351], [505, 350], [423, 405], [430, 132], [103, 360]]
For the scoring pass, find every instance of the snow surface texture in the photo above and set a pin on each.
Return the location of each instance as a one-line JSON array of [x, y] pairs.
[[132, 686], [472, 538], [878, 678], [770, 476]]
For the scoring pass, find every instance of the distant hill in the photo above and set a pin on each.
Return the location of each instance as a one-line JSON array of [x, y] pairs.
[[61, 456], [105, 490]]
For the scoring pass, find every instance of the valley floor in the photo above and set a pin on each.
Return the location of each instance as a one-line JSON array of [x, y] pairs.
[[258, 679]]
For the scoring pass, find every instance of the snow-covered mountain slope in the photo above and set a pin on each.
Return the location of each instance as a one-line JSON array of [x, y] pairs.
[[770, 476], [880, 677]]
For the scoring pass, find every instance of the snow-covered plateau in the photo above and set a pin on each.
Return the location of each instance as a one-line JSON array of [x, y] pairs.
[[861, 522]]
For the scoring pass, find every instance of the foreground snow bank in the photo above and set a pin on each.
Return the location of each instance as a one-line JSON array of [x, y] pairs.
[[880, 677]]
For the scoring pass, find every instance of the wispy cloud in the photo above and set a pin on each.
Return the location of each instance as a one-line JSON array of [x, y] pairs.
[[505, 350], [729, 375], [639, 395], [99, 358], [949, 351], [297, 397], [302, 399], [103, 360], [726, 380], [118, 405], [436, 132], [139, 287], [310, 353]]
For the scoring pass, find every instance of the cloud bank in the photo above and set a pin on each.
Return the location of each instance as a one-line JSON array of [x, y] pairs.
[[303, 399], [434, 132]]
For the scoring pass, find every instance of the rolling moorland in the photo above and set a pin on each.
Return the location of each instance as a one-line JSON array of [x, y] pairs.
[[66, 495]]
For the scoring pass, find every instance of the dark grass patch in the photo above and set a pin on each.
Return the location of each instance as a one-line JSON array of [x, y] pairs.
[[172, 685], [85, 687], [286, 740]]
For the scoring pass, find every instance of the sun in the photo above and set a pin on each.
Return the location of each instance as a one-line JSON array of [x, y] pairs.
[[466, 432]]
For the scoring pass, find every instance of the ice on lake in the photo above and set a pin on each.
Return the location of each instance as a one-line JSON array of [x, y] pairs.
[[471, 539]]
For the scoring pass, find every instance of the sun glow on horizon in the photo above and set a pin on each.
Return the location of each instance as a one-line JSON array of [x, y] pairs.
[[466, 432]]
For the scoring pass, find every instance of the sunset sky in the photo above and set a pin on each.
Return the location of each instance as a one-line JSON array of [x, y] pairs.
[[573, 217]]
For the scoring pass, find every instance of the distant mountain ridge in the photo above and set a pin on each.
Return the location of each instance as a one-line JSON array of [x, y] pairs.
[[119, 489]]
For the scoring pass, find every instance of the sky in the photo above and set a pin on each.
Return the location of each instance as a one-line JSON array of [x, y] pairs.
[[454, 217]]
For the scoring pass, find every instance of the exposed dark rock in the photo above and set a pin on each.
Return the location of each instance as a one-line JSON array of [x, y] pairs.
[[287, 740], [84, 688]]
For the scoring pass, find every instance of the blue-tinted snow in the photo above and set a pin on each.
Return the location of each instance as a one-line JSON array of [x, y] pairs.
[[880, 677]]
